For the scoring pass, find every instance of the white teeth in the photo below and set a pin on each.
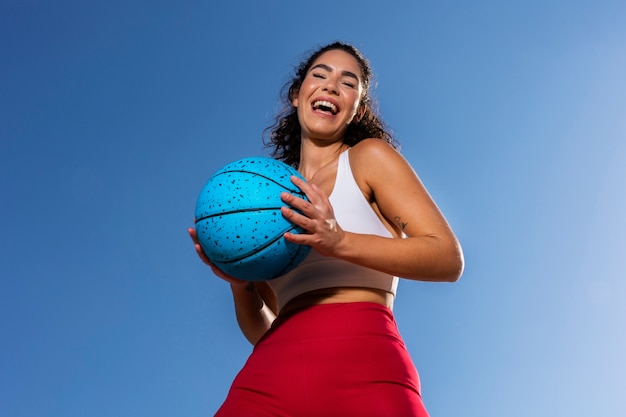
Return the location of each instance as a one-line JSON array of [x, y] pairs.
[[325, 105]]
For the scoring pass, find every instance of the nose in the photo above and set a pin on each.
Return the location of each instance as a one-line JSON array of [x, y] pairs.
[[331, 86]]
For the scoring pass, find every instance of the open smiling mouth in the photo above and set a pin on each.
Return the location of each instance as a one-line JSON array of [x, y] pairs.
[[325, 106]]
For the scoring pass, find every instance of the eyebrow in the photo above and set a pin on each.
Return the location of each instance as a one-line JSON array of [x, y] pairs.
[[344, 73]]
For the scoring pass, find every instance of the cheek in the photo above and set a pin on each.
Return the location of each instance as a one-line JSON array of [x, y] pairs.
[[307, 84], [300, 97], [356, 103]]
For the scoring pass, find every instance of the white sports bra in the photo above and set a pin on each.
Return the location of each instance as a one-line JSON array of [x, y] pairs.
[[354, 214]]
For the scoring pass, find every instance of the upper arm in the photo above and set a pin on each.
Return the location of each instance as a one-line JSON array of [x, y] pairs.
[[392, 185]]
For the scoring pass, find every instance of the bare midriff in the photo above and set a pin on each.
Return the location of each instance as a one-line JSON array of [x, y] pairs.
[[338, 295]]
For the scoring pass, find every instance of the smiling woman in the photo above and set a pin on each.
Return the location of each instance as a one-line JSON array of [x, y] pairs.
[[329, 97], [325, 338], [285, 135]]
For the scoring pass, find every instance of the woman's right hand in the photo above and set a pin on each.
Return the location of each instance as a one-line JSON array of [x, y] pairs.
[[236, 282]]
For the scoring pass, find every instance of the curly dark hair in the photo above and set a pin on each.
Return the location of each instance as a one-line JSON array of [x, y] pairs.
[[284, 135]]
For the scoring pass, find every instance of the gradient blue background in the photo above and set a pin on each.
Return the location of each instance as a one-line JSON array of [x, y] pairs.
[[114, 114]]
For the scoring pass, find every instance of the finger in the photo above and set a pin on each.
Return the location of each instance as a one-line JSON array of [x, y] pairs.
[[223, 275], [294, 201], [193, 234], [299, 182], [298, 238], [298, 219], [194, 237], [299, 207], [202, 255], [226, 277], [305, 187], [218, 272], [319, 192]]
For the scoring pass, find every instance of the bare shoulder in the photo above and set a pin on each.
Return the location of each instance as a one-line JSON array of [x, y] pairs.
[[372, 148], [375, 159]]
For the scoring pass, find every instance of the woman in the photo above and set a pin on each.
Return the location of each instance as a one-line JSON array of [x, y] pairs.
[[326, 343]]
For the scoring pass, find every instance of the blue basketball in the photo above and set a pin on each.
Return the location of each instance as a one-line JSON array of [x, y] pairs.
[[239, 223]]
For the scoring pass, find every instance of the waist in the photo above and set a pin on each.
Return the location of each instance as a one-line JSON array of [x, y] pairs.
[[319, 274], [338, 296], [323, 322]]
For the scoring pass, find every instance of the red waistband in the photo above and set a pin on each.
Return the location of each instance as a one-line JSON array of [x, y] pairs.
[[336, 320]]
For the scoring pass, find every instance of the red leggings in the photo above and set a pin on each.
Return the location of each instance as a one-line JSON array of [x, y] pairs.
[[325, 361]]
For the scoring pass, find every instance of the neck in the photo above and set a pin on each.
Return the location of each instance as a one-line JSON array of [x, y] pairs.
[[314, 156]]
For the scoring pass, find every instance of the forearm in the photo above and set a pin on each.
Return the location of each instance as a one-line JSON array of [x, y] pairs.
[[253, 315], [424, 258]]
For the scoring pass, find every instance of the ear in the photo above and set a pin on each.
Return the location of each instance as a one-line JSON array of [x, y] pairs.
[[294, 98]]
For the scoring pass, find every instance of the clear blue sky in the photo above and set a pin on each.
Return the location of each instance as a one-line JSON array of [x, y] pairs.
[[114, 114]]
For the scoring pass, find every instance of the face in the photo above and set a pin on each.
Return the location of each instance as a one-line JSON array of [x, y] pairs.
[[329, 96]]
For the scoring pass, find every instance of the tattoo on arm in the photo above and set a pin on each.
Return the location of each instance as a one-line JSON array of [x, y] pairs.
[[402, 225]]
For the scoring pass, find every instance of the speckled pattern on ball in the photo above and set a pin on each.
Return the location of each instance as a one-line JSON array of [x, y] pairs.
[[239, 223]]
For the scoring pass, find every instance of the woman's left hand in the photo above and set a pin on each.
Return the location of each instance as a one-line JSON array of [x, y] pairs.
[[316, 216]]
